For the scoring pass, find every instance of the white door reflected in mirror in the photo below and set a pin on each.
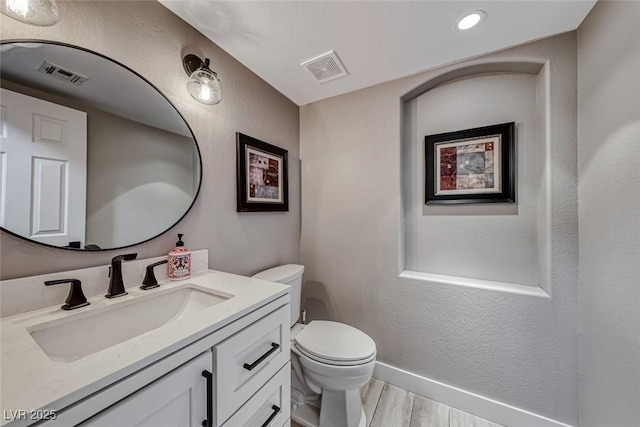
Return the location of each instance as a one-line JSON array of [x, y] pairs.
[[44, 174]]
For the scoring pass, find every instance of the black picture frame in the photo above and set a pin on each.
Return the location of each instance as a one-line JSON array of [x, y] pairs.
[[254, 183], [445, 154]]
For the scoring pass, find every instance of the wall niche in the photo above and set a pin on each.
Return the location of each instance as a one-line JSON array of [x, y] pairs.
[[487, 244]]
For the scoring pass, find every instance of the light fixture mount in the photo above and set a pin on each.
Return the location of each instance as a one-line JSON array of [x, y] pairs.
[[192, 62]]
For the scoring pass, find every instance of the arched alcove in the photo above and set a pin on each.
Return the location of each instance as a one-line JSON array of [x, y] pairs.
[[490, 244]]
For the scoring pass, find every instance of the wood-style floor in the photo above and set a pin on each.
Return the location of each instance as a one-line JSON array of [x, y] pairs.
[[389, 406]]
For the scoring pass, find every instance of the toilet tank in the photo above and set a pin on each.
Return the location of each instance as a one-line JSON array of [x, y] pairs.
[[290, 274]]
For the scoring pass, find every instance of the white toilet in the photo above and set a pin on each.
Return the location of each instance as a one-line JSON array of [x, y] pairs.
[[330, 361]]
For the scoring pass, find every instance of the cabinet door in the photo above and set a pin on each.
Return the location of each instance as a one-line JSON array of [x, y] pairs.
[[179, 399]]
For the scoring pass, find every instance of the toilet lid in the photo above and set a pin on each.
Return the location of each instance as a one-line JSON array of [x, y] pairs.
[[335, 341]]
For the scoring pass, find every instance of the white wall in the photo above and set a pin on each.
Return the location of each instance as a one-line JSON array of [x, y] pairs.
[[609, 159], [515, 348], [150, 39], [498, 242]]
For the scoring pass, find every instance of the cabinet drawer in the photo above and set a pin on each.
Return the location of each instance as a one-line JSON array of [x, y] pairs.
[[270, 406], [246, 361]]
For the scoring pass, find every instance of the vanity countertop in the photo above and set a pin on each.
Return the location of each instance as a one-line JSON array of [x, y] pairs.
[[30, 380]]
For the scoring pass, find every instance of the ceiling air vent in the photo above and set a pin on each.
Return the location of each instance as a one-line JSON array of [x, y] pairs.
[[62, 74], [326, 67]]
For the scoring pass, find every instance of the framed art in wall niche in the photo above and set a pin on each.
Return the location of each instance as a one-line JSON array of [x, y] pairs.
[[261, 175], [471, 166]]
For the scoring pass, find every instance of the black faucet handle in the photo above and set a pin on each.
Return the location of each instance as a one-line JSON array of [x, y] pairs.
[[125, 257], [116, 283], [150, 280], [76, 298]]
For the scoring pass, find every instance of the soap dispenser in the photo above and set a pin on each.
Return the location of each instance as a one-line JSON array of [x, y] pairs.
[[179, 261]]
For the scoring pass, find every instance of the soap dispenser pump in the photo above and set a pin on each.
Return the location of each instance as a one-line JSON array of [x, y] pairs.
[[179, 261]]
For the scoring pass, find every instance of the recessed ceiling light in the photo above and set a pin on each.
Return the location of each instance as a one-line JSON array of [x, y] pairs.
[[471, 20]]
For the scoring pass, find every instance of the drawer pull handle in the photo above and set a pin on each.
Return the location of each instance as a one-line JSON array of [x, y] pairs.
[[209, 421], [276, 411], [274, 347]]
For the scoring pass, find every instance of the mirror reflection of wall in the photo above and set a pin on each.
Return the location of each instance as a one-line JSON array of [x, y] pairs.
[[143, 165], [135, 171]]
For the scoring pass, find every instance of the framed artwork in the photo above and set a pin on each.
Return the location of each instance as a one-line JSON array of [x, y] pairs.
[[471, 166], [261, 176]]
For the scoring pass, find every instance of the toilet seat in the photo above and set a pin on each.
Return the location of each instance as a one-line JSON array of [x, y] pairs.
[[334, 343], [345, 363]]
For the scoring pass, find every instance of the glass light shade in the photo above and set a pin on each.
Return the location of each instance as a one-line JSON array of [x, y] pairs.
[[35, 12], [204, 86]]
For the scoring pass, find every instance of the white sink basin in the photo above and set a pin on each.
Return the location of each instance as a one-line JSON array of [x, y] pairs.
[[69, 339]]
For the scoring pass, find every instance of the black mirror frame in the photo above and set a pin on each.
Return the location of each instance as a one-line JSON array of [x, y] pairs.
[[195, 141]]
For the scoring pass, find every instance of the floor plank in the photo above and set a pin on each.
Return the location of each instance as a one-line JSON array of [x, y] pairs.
[[370, 395], [458, 418], [389, 406], [429, 413], [394, 407]]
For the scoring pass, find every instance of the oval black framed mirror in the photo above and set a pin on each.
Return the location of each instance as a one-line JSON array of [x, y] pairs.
[[92, 155]]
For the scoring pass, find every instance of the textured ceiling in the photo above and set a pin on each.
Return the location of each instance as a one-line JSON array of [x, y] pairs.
[[378, 41]]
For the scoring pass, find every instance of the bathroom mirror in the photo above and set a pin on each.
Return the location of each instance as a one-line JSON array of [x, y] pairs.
[[92, 155]]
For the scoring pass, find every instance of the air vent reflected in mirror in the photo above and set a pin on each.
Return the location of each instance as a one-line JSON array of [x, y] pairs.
[[62, 74]]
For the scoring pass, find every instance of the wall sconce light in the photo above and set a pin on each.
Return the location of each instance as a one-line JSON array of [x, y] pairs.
[[203, 84], [34, 12]]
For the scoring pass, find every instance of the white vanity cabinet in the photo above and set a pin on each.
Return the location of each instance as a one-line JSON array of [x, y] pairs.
[[249, 384], [234, 327]]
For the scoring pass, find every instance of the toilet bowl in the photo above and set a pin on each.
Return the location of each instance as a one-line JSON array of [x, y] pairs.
[[330, 362]]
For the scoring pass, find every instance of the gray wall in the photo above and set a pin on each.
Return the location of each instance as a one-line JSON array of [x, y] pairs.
[[151, 40], [518, 349], [609, 159]]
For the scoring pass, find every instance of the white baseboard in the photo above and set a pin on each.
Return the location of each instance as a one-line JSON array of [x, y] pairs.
[[475, 404]]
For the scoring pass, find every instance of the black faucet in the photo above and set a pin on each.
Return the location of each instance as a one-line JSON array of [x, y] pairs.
[[150, 280], [76, 298], [116, 284]]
